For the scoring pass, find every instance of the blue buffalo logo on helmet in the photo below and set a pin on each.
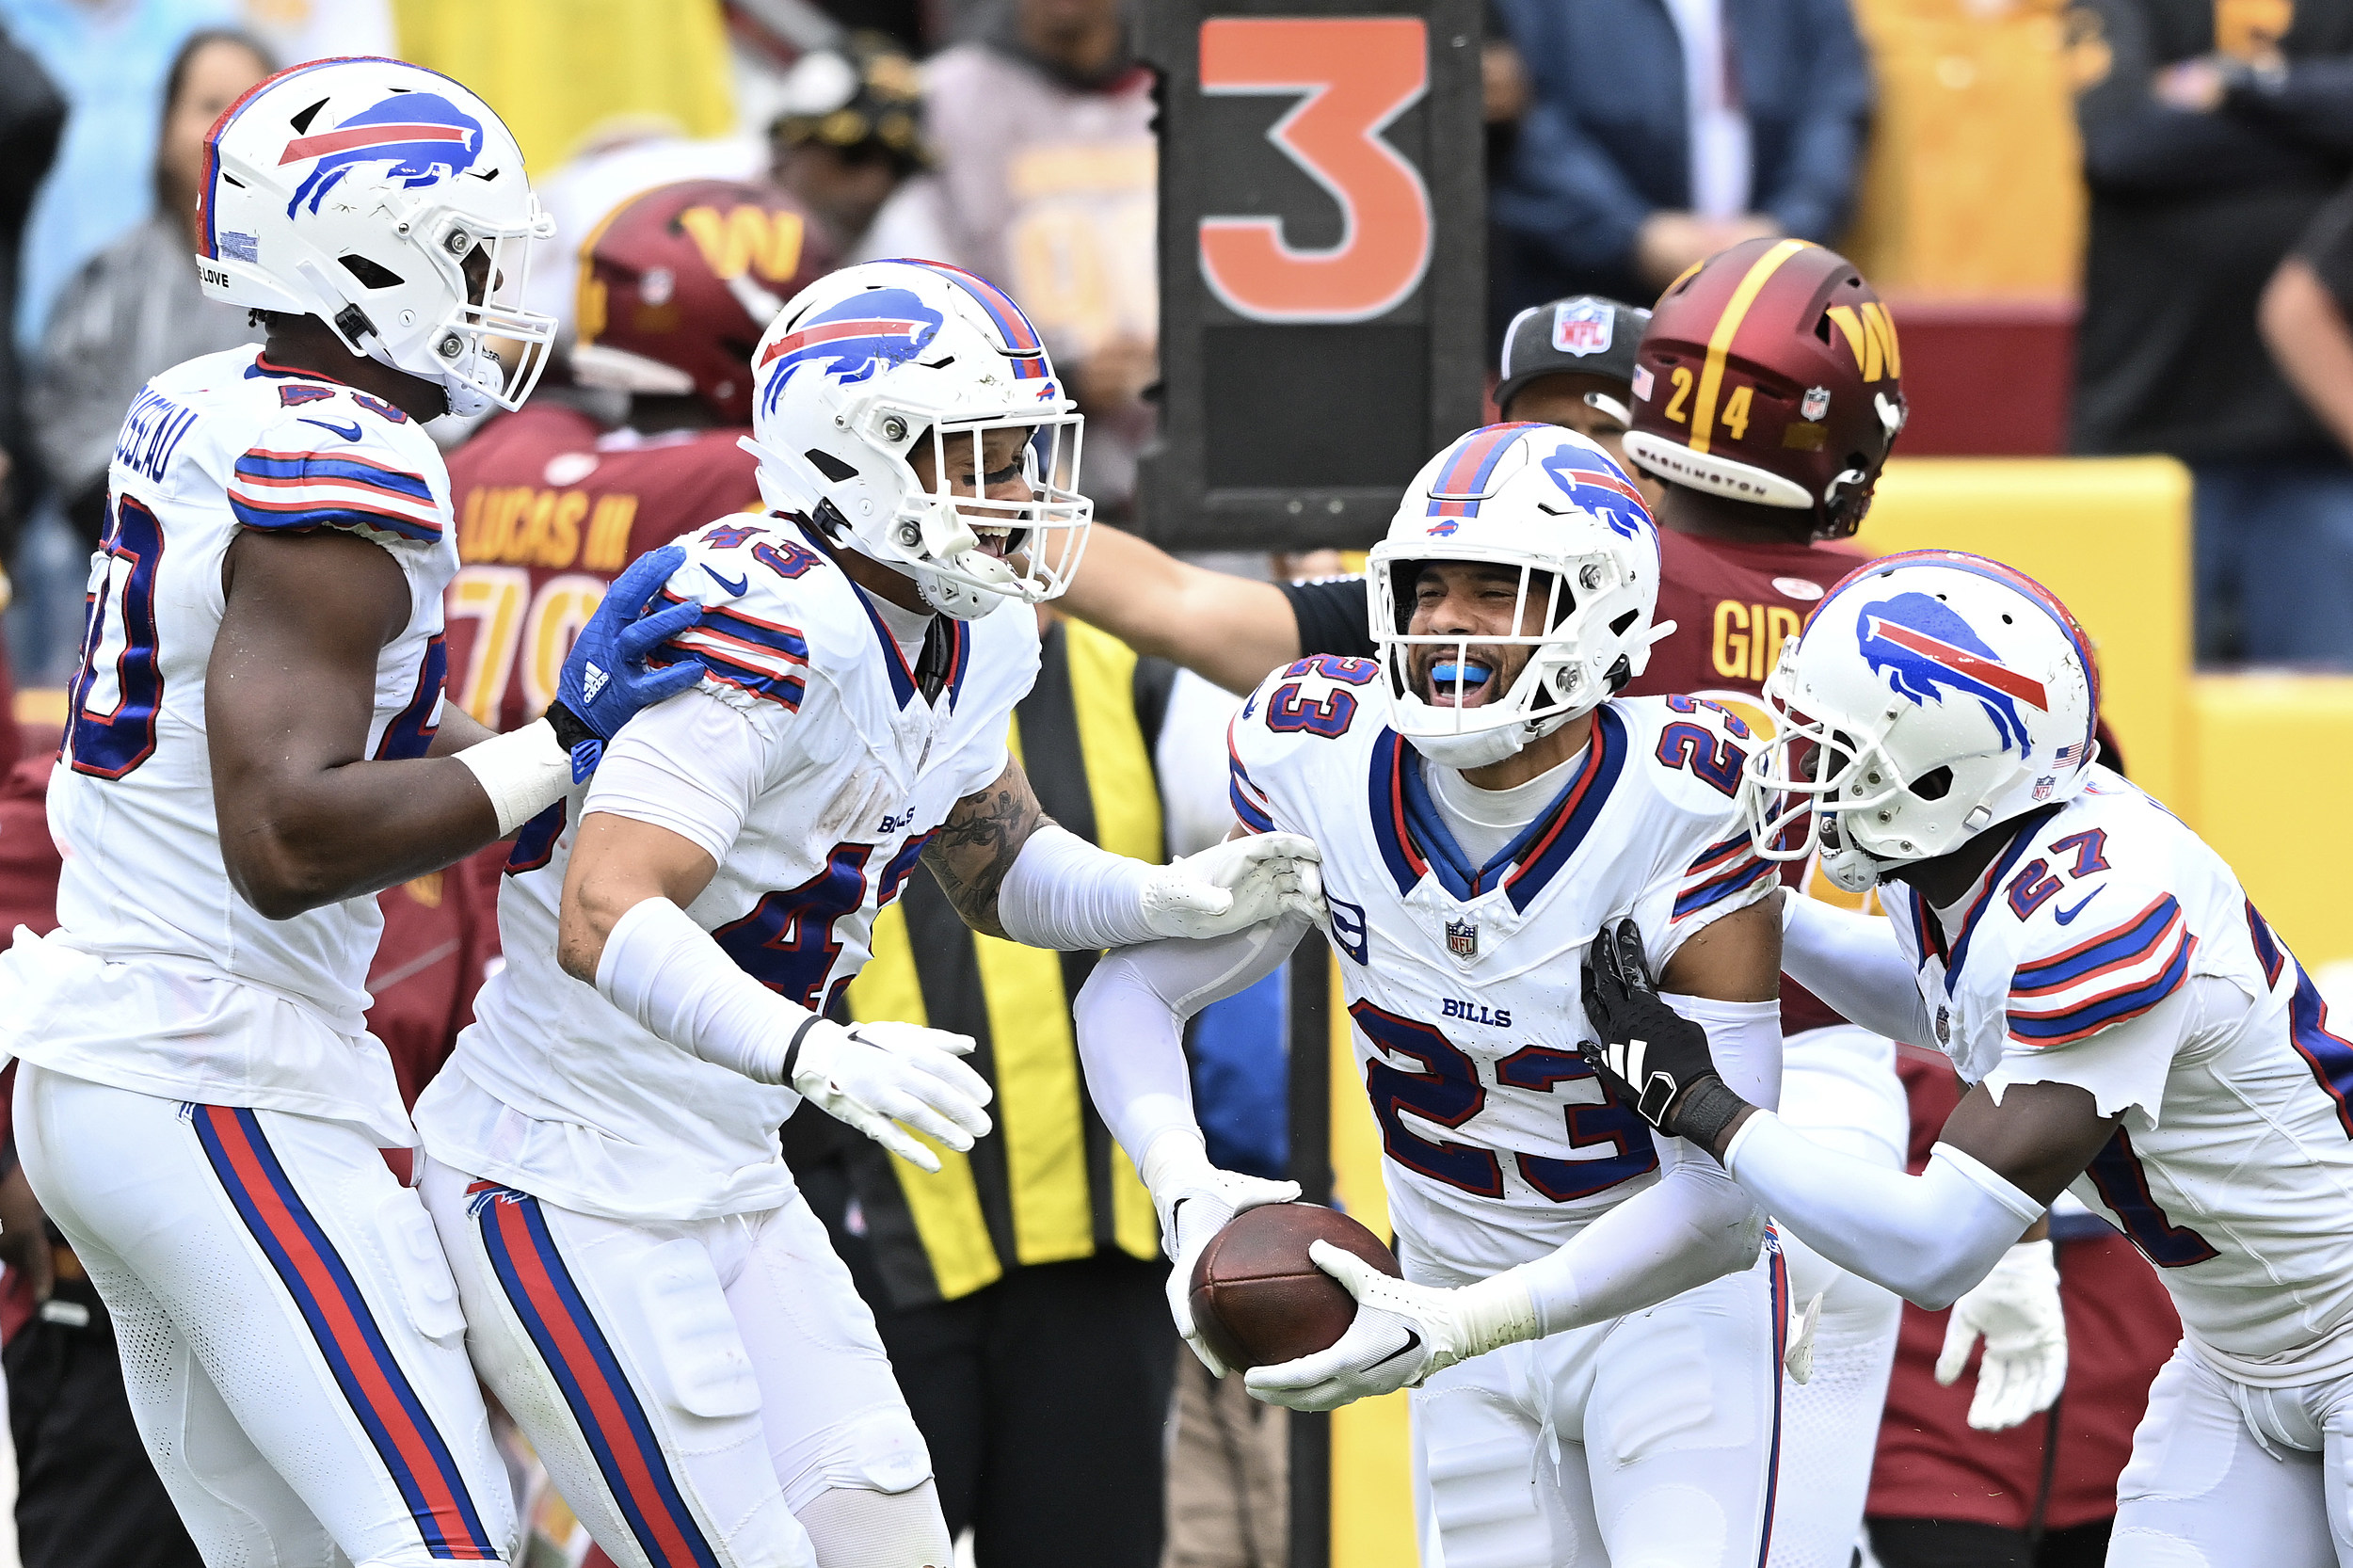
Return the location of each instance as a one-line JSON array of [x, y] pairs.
[[864, 333], [1598, 485], [1926, 649], [422, 134]]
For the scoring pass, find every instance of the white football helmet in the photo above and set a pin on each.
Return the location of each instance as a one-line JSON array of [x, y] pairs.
[[867, 361], [1932, 695], [1552, 504], [360, 191]]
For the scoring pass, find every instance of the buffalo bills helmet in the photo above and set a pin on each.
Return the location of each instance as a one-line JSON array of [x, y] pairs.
[[676, 284], [391, 204], [1551, 505], [1932, 695], [868, 362], [1769, 373]]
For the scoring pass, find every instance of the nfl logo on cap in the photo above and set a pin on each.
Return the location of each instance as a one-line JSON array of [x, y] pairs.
[[1462, 939], [1581, 326]]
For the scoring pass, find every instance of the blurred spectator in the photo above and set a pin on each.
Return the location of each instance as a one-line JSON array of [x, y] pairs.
[[1043, 131], [295, 30], [849, 143], [2304, 314], [2210, 139], [31, 115], [1655, 136], [135, 308], [2042, 1495], [111, 60]]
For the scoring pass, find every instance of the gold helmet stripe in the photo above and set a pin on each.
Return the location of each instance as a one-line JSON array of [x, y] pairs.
[[1727, 329]]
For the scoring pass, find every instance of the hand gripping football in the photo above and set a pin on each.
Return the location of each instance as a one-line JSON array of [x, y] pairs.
[[1258, 1299]]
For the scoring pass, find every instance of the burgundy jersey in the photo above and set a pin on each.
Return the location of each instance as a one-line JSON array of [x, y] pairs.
[[440, 934], [1734, 605], [550, 506]]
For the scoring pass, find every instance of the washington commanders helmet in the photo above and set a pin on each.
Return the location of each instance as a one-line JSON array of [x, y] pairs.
[[678, 283], [1769, 373]]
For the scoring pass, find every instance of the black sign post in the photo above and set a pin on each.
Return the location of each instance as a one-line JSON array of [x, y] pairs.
[[1323, 221]]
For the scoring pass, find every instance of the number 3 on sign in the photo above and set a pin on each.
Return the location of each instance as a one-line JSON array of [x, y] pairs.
[[1355, 75]]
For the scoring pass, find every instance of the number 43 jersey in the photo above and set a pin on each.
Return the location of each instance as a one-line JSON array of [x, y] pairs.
[[2111, 949], [812, 763], [1462, 982], [162, 978]]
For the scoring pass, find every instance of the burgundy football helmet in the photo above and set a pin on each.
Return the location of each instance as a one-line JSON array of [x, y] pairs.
[[1769, 373], [678, 283]]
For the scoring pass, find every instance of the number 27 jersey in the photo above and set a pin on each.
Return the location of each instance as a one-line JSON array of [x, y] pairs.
[[1462, 982]]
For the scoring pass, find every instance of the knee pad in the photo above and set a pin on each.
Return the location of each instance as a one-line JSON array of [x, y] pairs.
[[852, 1528]]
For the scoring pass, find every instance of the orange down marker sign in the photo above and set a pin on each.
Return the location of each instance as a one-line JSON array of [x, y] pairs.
[[1355, 74]]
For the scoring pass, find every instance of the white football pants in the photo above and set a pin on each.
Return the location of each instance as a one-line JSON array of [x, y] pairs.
[[290, 1335], [2228, 1476], [704, 1393], [1838, 1087], [1644, 1442]]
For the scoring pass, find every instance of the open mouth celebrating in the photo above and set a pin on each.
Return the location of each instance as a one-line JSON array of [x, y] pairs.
[[1478, 673]]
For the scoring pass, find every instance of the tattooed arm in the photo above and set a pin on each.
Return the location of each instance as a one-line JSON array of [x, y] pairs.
[[1012, 871], [975, 848]]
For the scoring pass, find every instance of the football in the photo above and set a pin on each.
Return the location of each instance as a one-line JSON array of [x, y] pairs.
[[1258, 1299]]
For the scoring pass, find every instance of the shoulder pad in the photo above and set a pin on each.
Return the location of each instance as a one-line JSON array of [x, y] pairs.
[[1696, 749], [1324, 694], [753, 576], [2092, 951], [337, 462]]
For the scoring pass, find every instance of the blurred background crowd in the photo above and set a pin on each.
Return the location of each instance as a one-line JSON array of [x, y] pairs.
[[2106, 227]]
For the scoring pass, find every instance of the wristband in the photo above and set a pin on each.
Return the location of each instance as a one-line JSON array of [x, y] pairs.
[[793, 1050], [1709, 1107], [523, 772]]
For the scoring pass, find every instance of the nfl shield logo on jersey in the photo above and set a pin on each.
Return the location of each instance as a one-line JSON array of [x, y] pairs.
[[1581, 328], [1462, 939]]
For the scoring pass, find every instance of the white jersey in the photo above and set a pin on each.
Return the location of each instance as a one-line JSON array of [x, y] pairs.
[[1462, 983], [210, 448], [2111, 949], [811, 764]]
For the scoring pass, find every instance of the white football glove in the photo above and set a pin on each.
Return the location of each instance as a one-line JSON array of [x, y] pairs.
[[1401, 1333], [1235, 884], [883, 1078], [2017, 1308], [1194, 1200]]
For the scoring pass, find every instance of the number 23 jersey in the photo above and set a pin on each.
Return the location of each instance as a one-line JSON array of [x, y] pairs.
[[1462, 982], [813, 767]]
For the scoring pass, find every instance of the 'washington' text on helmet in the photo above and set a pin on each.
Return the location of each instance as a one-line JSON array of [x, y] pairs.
[[678, 283], [1769, 373], [389, 202], [1932, 695], [1550, 505], [865, 363]]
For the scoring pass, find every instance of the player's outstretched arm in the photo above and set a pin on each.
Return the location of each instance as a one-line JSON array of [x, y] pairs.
[[624, 929], [1852, 961], [1229, 630], [1012, 871], [1130, 1018], [307, 818]]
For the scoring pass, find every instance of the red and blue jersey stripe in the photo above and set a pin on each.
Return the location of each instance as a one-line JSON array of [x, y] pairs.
[[767, 659], [341, 1321], [2156, 936], [1415, 843], [1250, 802], [283, 491], [1720, 870], [548, 1302]]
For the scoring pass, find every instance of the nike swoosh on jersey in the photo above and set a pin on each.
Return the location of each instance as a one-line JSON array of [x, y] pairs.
[[348, 432], [2066, 917], [737, 588]]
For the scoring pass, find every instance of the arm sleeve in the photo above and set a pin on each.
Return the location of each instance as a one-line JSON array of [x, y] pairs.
[[1693, 1225], [693, 764], [1744, 1037], [1927, 1237], [1852, 961], [1332, 617], [1130, 1018], [1814, 193]]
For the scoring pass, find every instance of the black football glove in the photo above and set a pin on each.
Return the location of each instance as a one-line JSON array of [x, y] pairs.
[[1651, 1056]]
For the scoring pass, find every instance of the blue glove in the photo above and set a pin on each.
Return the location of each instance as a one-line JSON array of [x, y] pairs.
[[604, 680]]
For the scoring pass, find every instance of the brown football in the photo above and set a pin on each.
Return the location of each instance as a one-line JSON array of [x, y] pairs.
[[1258, 1298]]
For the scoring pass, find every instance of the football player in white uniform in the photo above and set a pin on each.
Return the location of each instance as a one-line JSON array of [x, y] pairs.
[[256, 744], [646, 1290], [1484, 805], [2134, 1032]]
